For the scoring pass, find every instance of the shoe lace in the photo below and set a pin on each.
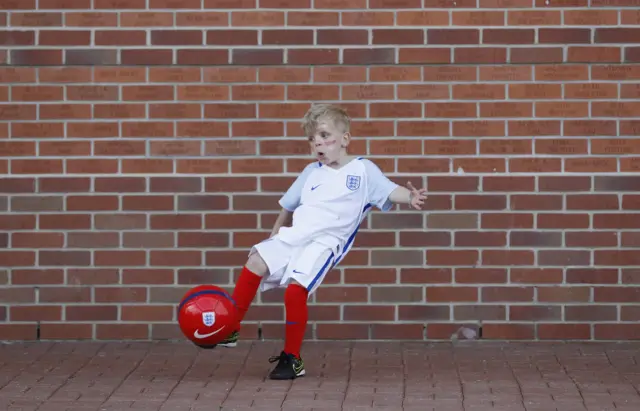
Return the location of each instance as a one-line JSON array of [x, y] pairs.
[[282, 357]]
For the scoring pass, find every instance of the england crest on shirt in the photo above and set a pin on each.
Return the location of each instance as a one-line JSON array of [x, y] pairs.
[[353, 182], [209, 318]]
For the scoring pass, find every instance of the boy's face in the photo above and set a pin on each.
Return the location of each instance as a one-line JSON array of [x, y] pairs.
[[328, 142]]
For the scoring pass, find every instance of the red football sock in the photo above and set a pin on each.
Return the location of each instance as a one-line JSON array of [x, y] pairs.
[[295, 303], [244, 292]]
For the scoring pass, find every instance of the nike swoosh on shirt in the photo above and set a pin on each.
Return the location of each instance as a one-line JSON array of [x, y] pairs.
[[313, 188], [201, 336]]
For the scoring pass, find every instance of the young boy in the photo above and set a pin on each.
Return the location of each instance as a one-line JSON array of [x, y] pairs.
[[327, 201]]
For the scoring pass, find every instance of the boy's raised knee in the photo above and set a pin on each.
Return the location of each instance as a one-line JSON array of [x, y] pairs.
[[256, 265], [294, 282]]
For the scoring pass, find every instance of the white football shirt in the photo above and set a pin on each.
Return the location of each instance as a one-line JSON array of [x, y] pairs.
[[329, 204]]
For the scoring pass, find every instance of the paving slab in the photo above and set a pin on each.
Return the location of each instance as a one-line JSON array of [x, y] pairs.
[[345, 376]]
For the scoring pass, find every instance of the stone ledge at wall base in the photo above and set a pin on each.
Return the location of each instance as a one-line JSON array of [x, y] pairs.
[[433, 332]]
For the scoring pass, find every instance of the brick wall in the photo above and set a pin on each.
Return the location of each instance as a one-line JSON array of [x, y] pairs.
[[144, 144]]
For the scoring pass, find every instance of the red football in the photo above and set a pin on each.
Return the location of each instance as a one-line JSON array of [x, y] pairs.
[[207, 315]]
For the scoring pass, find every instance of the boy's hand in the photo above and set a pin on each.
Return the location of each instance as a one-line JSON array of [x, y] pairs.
[[417, 197]]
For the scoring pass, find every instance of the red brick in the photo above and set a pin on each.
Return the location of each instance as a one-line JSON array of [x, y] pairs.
[[594, 54], [148, 19], [451, 257], [535, 165], [564, 35], [616, 332], [147, 276], [480, 275], [453, 36], [64, 258], [431, 55], [506, 294], [313, 56], [616, 294], [547, 220], [504, 146], [398, 36], [508, 184], [340, 4], [17, 149], [479, 202], [485, 55], [36, 19], [535, 91], [479, 165], [38, 312], [175, 221], [367, 18], [95, 129], [475, 18], [413, 128], [564, 109], [153, 313], [507, 257], [592, 239], [479, 92], [562, 146], [617, 35], [451, 294], [33, 166], [287, 37], [592, 202], [479, 128], [449, 74], [508, 36], [589, 165], [537, 55], [341, 37], [554, 72], [395, 74], [564, 331], [503, 109], [525, 128], [238, 37], [37, 240], [17, 112], [318, 18], [535, 202], [536, 275], [395, 4]]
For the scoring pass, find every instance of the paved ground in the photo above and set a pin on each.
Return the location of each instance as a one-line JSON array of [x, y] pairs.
[[341, 376]]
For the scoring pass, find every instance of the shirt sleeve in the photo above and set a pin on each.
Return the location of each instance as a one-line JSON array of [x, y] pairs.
[[291, 199], [379, 186]]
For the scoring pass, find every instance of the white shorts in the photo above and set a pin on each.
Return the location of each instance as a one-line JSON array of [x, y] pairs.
[[307, 264]]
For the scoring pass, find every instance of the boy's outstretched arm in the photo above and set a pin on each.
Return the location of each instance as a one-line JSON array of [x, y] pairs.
[[412, 196]]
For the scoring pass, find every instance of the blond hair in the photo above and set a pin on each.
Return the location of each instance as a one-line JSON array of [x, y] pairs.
[[319, 112]]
